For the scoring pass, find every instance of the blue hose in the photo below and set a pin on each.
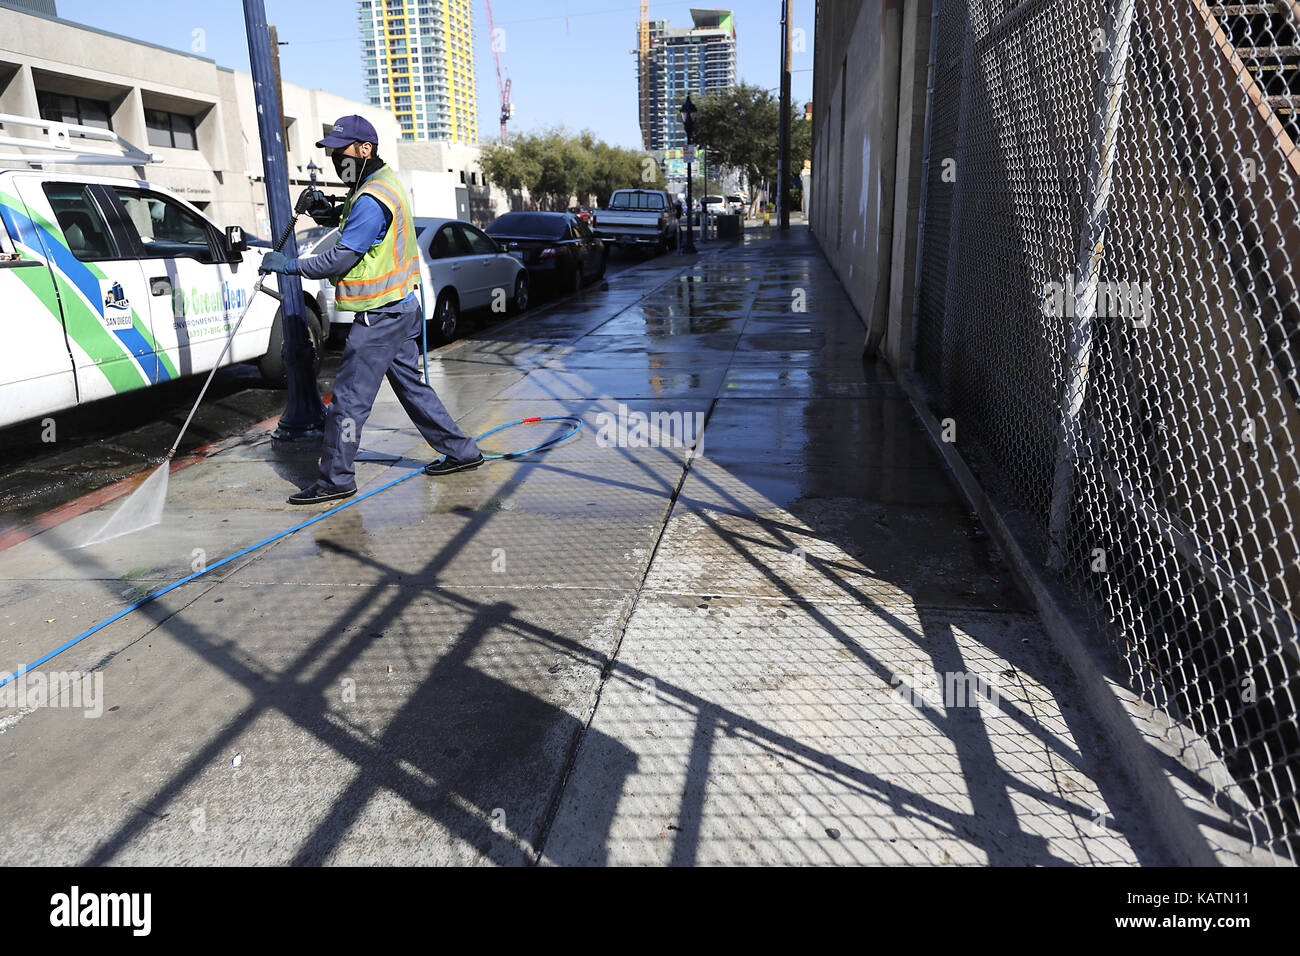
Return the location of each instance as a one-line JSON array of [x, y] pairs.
[[577, 424], [424, 334], [549, 443]]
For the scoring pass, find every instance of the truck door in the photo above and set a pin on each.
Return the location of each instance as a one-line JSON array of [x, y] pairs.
[[100, 286], [36, 373], [180, 255]]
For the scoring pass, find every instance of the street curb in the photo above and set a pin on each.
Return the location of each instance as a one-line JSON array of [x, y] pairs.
[[107, 494], [1170, 766]]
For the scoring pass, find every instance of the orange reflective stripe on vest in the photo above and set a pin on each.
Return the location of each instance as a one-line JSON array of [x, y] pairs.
[[389, 270]]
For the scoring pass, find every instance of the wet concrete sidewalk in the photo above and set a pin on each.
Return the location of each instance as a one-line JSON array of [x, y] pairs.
[[789, 643]]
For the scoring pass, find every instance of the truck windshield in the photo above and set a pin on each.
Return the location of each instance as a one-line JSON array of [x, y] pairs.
[[634, 200]]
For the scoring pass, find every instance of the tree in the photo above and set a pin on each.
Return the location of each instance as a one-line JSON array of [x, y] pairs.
[[555, 165], [741, 127], [613, 167], [800, 153], [503, 166]]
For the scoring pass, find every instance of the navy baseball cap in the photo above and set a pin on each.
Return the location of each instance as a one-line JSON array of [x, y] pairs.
[[349, 129]]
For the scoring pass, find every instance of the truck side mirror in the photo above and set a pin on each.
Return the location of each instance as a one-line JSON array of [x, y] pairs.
[[236, 242]]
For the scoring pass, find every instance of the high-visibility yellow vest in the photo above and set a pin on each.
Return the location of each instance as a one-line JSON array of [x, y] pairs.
[[390, 270]]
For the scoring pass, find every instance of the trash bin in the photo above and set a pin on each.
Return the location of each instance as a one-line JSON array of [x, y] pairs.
[[730, 226]]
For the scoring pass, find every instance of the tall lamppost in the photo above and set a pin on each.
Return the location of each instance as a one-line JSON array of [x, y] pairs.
[[688, 124]]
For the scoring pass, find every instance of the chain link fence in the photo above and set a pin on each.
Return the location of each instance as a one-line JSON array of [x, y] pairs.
[[1108, 313]]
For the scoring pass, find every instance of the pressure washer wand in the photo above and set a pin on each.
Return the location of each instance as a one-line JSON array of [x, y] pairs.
[[257, 287]]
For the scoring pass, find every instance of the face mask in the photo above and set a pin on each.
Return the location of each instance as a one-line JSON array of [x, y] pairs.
[[349, 168]]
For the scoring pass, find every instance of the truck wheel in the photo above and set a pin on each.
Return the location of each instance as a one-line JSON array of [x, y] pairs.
[[271, 365]]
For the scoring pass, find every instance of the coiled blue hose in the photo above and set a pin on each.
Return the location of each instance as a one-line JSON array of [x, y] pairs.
[[549, 443]]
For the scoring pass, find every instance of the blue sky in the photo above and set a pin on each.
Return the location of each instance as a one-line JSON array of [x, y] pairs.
[[570, 60]]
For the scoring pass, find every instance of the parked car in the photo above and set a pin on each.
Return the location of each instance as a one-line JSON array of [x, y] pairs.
[[312, 242], [712, 205], [312, 234], [639, 218], [558, 248], [582, 212], [461, 270], [736, 204], [464, 269]]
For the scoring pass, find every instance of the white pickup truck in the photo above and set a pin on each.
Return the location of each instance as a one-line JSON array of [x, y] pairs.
[[639, 217]]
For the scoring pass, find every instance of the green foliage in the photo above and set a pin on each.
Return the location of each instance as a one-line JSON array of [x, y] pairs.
[[616, 168], [502, 166], [800, 142], [741, 127], [554, 165]]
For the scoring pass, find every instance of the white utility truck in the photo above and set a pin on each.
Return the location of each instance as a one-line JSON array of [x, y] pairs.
[[111, 285]]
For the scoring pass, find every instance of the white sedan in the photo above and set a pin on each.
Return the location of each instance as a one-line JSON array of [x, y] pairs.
[[462, 269]]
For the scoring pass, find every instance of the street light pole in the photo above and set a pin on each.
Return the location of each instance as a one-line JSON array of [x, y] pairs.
[[688, 124], [303, 411]]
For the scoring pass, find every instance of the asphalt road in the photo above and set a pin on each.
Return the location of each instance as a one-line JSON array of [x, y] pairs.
[[105, 441]]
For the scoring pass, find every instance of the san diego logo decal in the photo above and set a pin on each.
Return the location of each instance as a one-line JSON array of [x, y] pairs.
[[117, 307]]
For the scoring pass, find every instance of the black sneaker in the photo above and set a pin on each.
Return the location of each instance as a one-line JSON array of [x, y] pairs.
[[320, 492], [445, 466]]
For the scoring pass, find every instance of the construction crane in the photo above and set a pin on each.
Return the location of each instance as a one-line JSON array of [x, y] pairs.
[[643, 68], [503, 89]]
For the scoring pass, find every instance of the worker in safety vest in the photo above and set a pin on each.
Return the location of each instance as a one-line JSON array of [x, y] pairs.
[[375, 270]]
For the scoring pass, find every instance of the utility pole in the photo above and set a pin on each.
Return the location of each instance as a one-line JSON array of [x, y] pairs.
[[303, 411], [279, 87], [783, 164]]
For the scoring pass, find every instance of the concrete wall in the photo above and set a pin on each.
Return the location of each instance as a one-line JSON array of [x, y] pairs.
[[223, 176], [869, 67]]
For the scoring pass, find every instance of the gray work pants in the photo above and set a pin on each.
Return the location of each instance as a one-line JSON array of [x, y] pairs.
[[384, 342]]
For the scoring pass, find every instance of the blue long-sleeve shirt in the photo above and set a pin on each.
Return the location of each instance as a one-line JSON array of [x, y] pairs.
[[368, 222]]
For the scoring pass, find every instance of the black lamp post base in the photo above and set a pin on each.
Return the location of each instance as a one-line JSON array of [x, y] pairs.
[[294, 433]]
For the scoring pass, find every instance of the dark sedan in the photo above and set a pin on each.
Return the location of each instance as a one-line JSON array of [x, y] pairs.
[[558, 248]]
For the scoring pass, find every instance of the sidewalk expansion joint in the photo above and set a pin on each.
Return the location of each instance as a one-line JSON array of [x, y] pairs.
[[553, 809]]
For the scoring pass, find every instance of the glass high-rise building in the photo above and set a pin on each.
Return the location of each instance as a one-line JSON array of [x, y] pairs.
[[418, 58], [697, 59]]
